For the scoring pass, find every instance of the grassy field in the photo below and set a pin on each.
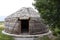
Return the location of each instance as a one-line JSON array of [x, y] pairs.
[[2, 36]]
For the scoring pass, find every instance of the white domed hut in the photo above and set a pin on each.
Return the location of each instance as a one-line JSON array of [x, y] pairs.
[[25, 21]]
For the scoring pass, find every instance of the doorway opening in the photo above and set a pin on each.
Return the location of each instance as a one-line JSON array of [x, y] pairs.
[[24, 26]]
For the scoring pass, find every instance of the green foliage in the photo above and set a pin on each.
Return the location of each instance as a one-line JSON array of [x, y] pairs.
[[57, 38], [44, 38], [47, 38], [50, 12], [1, 22], [4, 37]]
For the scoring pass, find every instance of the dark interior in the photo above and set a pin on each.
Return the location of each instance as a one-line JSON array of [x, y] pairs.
[[24, 26]]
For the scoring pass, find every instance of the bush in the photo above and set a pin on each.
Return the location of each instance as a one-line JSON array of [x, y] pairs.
[[49, 11], [44, 38], [57, 38], [4, 37]]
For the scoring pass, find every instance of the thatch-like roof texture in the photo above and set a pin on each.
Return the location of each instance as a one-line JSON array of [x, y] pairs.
[[28, 12]]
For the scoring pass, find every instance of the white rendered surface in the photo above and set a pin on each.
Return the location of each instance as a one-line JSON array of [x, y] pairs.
[[26, 37], [14, 35]]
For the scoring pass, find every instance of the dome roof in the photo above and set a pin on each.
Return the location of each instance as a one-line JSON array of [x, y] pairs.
[[27, 12]]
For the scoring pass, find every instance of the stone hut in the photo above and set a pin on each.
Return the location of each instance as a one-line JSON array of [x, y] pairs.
[[25, 21]]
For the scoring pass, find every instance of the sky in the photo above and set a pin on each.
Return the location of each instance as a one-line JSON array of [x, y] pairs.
[[8, 7]]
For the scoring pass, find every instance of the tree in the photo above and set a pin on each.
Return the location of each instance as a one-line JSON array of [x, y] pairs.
[[50, 11]]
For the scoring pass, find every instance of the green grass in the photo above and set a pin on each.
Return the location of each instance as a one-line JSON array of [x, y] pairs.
[[44, 38], [2, 36], [1, 22]]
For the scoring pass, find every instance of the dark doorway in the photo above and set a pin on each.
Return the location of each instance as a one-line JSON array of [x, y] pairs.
[[24, 26]]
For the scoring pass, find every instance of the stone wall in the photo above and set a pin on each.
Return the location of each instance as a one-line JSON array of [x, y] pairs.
[[13, 26], [37, 27]]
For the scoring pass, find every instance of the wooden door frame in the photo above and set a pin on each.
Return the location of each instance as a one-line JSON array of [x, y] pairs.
[[28, 25]]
